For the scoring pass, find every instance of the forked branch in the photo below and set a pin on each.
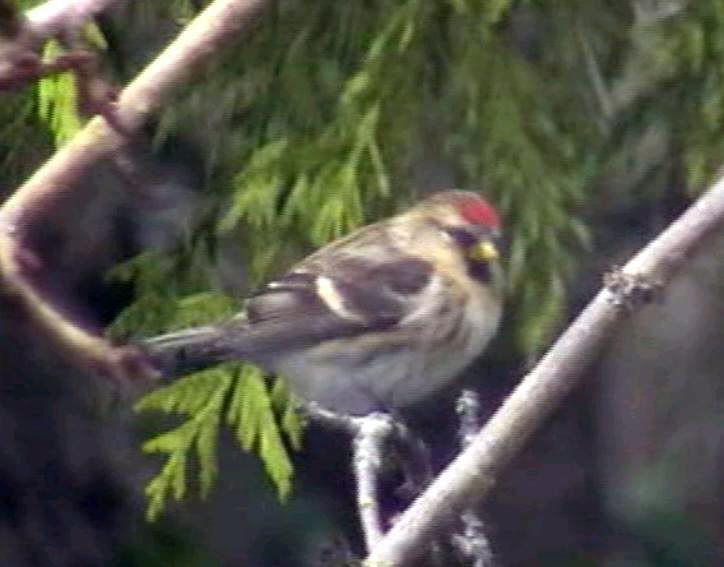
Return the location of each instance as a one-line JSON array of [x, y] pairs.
[[198, 43]]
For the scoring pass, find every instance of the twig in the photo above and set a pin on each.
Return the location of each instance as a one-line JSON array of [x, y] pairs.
[[468, 410], [373, 435], [369, 434], [469, 478], [22, 36], [369, 443], [472, 544], [196, 44], [348, 424]]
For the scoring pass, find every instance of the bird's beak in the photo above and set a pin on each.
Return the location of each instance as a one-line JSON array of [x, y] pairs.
[[483, 251]]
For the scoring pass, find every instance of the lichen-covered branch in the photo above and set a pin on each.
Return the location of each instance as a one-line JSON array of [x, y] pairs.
[[470, 477], [472, 543], [369, 453], [370, 435]]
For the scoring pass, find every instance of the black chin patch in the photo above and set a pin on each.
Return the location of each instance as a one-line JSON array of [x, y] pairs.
[[479, 271]]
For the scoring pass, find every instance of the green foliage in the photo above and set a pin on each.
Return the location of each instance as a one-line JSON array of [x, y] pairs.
[[336, 138], [25, 4], [156, 292], [171, 292], [200, 397], [236, 396], [695, 47], [251, 413], [23, 142], [57, 100], [57, 93], [511, 143]]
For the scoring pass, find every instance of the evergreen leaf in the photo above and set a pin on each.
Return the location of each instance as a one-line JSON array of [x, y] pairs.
[[57, 100]]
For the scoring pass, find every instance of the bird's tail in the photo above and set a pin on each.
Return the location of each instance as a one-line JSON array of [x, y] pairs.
[[194, 349]]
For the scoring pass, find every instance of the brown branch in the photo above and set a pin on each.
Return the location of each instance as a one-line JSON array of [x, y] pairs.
[[23, 35], [196, 44], [470, 477]]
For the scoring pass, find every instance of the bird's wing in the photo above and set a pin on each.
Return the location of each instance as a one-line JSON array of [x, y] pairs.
[[307, 306], [344, 295]]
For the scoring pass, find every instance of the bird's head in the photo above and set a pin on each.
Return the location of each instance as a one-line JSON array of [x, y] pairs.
[[460, 224]]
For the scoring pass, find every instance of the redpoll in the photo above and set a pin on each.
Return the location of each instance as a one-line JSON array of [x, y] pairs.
[[377, 320]]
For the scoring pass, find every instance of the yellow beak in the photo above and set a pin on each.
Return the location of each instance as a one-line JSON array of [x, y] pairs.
[[483, 252]]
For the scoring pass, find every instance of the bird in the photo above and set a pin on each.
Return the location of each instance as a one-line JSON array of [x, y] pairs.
[[378, 320]]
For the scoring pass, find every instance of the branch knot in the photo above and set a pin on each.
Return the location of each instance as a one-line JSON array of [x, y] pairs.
[[629, 291]]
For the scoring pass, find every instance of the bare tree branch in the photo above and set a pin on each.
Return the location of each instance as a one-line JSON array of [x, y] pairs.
[[196, 44], [470, 477], [23, 35]]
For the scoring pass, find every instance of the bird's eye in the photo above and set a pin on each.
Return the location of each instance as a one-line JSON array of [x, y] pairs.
[[460, 236]]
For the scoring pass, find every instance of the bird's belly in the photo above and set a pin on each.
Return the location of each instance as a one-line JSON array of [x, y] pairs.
[[385, 372], [345, 381]]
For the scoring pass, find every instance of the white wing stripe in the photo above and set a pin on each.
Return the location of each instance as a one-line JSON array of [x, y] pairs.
[[428, 302], [328, 293]]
